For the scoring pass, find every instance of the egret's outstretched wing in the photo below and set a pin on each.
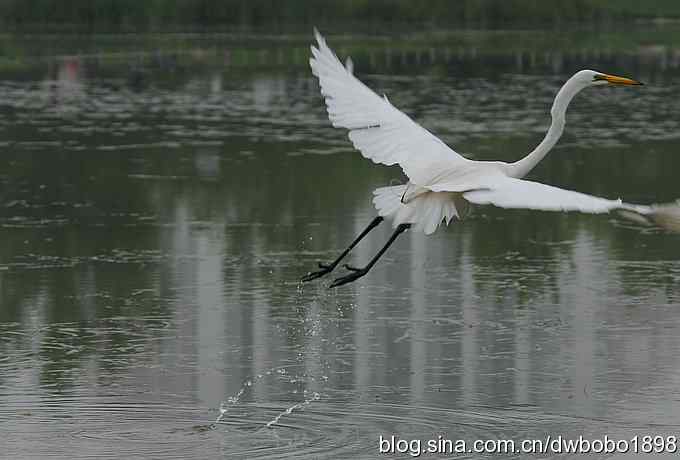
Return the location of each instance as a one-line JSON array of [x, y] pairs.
[[508, 192], [378, 129]]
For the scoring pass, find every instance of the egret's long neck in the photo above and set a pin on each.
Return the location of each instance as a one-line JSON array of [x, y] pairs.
[[564, 96]]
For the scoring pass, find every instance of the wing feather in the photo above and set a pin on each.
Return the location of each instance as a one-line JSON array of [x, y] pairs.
[[508, 192], [380, 131]]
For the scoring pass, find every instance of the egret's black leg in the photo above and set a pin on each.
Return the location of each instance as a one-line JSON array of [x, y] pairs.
[[359, 272], [327, 268]]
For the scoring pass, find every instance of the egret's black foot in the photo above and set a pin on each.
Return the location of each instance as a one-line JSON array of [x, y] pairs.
[[355, 275], [325, 269]]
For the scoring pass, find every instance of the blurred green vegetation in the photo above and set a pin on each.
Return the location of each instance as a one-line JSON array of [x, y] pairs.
[[176, 15]]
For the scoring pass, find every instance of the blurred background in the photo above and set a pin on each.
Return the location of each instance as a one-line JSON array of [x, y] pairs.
[[168, 173], [215, 15]]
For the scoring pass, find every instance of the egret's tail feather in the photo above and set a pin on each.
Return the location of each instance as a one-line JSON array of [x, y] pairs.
[[425, 210], [387, 200]]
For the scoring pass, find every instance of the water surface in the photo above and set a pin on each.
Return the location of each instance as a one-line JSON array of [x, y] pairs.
[[161, 196]]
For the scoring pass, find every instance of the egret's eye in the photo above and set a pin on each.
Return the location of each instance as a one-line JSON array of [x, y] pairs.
[[599, 77]]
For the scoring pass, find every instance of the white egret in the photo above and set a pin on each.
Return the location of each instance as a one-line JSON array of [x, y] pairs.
[[442, 184]]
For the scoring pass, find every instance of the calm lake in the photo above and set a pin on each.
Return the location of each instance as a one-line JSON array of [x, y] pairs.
[[161, 196]]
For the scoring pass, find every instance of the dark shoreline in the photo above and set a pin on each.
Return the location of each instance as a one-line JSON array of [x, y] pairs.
[[174, 16]]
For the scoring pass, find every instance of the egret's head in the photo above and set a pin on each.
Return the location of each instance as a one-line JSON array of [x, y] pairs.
[[592, 78]]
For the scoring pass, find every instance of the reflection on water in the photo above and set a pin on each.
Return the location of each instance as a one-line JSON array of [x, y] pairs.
[[157, 212]]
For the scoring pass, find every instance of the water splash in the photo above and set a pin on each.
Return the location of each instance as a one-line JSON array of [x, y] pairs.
[[232, 401], [236, 398], [315, 397], [223, 411]]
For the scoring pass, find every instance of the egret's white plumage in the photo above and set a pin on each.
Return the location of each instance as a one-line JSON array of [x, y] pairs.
[[424, 208], [379, 130], [441, 181]]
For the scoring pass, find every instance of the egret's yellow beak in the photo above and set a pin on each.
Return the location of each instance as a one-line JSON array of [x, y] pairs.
[[614, 80]]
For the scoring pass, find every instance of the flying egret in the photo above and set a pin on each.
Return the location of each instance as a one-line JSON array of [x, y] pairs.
[[442, 183]]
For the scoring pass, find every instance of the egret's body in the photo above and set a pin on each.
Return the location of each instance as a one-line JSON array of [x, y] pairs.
[[443, 184]]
